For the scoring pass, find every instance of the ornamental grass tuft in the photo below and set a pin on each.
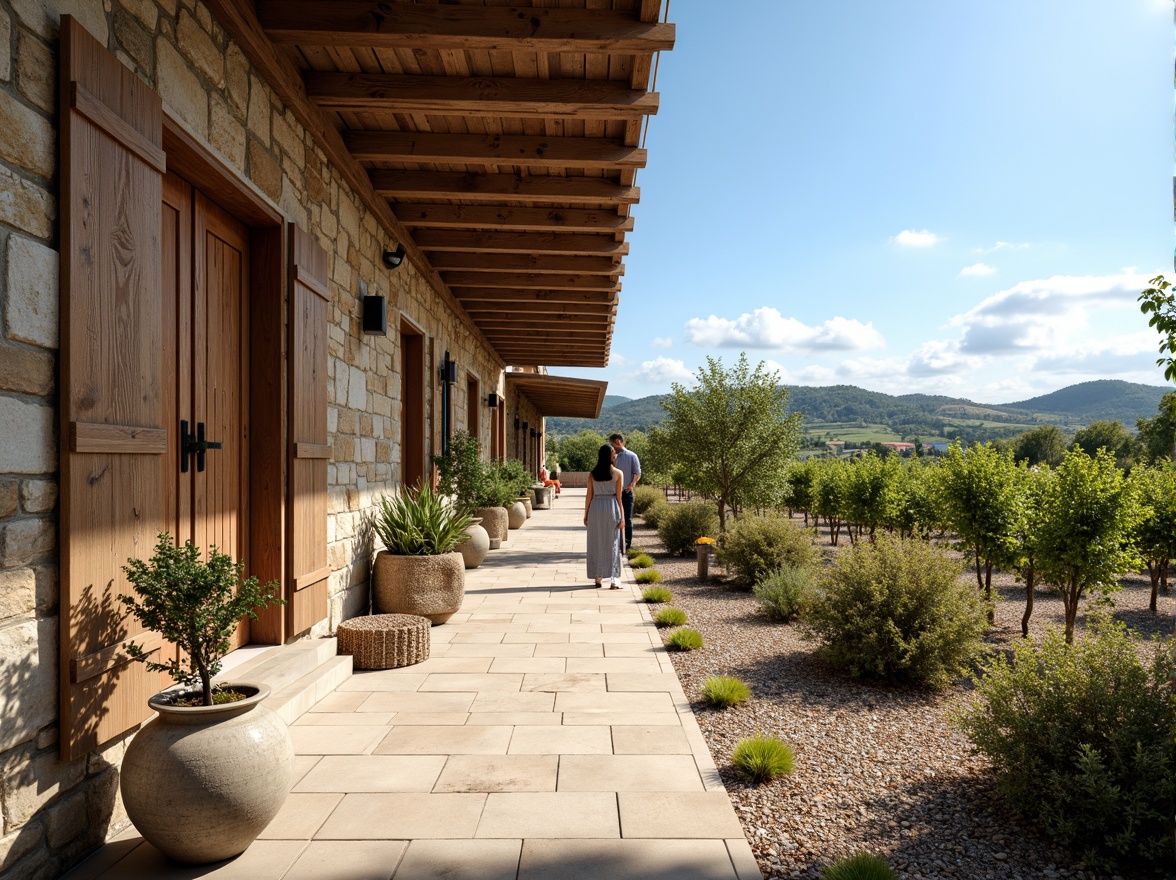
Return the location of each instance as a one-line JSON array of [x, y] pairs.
[[641, 560], [634, 551], [684, 639], [862, 866], [761, 758], [649, 576], [724, 691], [670, 617], [654, 595]]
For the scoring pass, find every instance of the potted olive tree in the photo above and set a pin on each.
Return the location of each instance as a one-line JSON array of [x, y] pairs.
[[462, 478], [203, 778], [494, 498], [515, 475], [419, 571]]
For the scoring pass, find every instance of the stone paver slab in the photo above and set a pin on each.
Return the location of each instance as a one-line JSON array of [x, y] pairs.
[[650, 740], [347, 860], [625, 860], [334, 740], [346, 719], [678, 814], [528, 665], [645, 719], [613, 702], [301, 816], [460, 860], [476, 638], [467, 740], [651, 681], [628, 773], [498, 773], [451, 681], [403, 817], [417, 702], [549, 814], [415, 719], [534, 639], [581, 682], [643, 664], [489, 652], [562, 740], [373, 773], [504, 701], [342, 701], [515, 718], [570, 649], [264, 860]]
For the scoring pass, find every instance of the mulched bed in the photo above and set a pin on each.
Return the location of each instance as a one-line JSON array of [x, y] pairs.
[[877, 769]]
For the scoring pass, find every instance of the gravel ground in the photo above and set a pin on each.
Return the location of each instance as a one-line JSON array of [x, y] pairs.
[[877, 769]]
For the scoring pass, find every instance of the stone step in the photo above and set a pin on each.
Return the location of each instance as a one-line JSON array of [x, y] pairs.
[[299, 674], [299, 696]]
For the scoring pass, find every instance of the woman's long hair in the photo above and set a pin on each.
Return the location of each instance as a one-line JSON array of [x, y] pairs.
[[603, 469]]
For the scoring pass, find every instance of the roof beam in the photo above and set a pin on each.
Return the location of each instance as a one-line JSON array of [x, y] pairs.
[[434, 240], [536, 264], [425, 216], [491, 328], [502, 187], [493, 149], [483, 311], [519, 298], [470, 282], [478, 96], [369, 23]]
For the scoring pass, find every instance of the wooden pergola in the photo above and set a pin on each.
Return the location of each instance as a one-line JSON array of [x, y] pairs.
[[498, 144]]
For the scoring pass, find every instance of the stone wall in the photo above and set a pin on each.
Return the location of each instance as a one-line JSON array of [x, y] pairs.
[[54, 812]]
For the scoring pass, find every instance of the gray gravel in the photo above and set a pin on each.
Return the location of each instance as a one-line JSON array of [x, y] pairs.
[[877, 769]]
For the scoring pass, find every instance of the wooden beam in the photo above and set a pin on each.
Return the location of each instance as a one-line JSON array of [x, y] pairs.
[[407, 185], [493, 149], [478, 96], [519, 298], [518, 219], [525, 311], [491, 328], [452, 241], [490, 264], [471, 281], [380, 25]]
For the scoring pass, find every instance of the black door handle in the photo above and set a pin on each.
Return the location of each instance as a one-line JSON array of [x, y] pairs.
[[196, 443]]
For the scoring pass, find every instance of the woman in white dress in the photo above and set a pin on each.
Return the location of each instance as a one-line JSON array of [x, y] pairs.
[[604, 518]]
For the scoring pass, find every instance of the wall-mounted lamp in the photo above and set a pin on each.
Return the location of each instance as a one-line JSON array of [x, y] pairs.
[[375, 316], [492, 400], [516, 423], [448, 370], [533, 434], [392, 259], [525, 426]]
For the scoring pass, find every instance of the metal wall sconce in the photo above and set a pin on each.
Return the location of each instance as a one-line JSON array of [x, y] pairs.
[[533, 434], [516, 423], [393, 259], [492, 400], [525, 425], [448, 370], [375, 316]]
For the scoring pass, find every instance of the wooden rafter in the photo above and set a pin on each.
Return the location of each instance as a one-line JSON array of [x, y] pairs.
[[427, 216], [368, 23], [512, 296], [491, 149], [468, 282], [535, 264], [512, 188], [474, 96], [435, 240], [523, 311]]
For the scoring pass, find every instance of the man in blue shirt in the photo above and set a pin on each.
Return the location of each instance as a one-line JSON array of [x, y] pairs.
[[630, 466]]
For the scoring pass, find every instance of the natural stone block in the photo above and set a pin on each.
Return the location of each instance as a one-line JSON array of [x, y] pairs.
[[18, 592], [286, 134], [180, 88], [31, 781], [5, 56], [47, 592], [22, 541], [38, 496], [264, 171], [348, 421], [25, 370], [28, 673], [26, 206], [144, 10], [8, 498], [259, 110], [237, 79], [47, 737], [31, 308], [65, 819], [16, 844], [357, 389], [28, 443], [27, 139], [226, 132], [135, 39], [36, 73], [200, 49], [42, 18]]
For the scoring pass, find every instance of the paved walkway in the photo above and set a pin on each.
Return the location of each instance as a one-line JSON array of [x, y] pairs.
[[546, 737]]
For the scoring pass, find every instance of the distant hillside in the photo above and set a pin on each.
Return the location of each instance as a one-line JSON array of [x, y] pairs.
[[1101, 399], [611, 400]]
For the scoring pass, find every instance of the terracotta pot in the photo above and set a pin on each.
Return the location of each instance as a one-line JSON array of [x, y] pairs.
[[475, 549], [516, 515], [431, 586], [201, 782], [494, 521]]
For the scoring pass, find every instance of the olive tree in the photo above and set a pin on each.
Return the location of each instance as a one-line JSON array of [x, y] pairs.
[[1155, 531], [1030, 491], [730, 436]]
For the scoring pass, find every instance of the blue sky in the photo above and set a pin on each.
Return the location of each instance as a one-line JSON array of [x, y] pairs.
[[910, 196]]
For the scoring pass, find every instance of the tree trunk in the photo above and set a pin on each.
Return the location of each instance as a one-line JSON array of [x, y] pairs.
[[988, 592], [979, 569], [1030, 578], [1164, 588], [1153, 571], [1070, 595]]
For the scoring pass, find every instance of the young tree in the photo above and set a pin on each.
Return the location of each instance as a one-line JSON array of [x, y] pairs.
[[1088, 519], [730, 436], [1045, 444], [1109, 435], [578, 452], [1155, 532], [1158, 435], [829, 495], [1030, 489], [798, 495]]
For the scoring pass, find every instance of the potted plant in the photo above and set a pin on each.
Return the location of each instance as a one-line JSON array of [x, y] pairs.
[[515, 475], [203, 778], [494, 499], [419, 571], [462, 477]]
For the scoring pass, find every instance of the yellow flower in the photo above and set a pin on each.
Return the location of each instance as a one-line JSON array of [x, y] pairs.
[[705, 541]]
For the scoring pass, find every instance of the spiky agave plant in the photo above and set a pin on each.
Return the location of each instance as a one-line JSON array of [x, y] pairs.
[[418, 523], [862, 866]]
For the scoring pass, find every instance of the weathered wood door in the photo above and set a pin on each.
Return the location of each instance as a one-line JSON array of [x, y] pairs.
[[206, 372]]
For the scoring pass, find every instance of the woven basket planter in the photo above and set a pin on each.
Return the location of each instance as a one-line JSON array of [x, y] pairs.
[[431, 586], [385, 641]]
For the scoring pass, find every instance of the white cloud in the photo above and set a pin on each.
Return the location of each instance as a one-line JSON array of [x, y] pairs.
[[619, 360], [662, 370], [766, 328], [1001, 246], [916, 239], [662, 342], [977, 270]]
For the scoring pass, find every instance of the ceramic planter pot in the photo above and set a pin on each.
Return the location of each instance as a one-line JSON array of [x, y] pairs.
[[516, 515], [429, 586], [526, 499], [542, 497], [475, 549], [495, 522], [201, 782]]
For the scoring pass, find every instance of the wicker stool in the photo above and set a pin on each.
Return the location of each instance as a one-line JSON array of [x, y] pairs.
[[385, 641]]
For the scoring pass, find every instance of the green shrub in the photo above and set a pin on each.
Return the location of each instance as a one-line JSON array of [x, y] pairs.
[[683, 524], [418, 522], [1082, 738], [761, 758], [655, 512], [756, 545], [724, 691], [786, 593], [641, 560], [648, 577], [644, 497], [670, 617], [684, 639], [897, 609], [634, 551], [862, 866], [653, 595]]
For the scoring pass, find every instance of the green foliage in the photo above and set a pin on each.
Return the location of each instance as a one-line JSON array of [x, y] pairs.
[[1045, 444], [649, 577], [1155, 530], [683, 524], [1112, 436], [801, 482], [654, 595], [670, 617], [684, 639], [497, 489], [829, 491], [731, 436], [896, 609], [634, 551], [418, 523], [862, 866], [513, 473], [462, 473], [1082, 738], [645, 497], [724, 691], [654, 513], [578, 452], [641, 560], [755, 545], [786, 593], [1158, 301], [193, 604], [1157, 436], [761, 758]]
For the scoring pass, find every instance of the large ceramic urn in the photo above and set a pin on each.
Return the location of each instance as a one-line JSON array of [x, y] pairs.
[[526, 499], [516, 515], [474, 551], [201, 782], [428, 586], [495, 522]]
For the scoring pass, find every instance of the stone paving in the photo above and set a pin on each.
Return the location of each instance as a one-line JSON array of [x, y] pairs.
[[545, 738]]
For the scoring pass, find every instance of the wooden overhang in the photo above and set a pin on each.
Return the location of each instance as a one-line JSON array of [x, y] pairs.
[[499, 144], [560, 396]]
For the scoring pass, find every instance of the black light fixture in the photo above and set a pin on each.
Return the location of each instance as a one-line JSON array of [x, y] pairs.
[[375, 316], [533, 434], [516, 423], [492, 400], [448, 370], [393, 258]]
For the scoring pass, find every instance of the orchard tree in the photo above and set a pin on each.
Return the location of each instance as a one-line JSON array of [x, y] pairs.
[[1045, 444], [578, 452], [1158, 435], [829, 495], [1155, 534], [1030, 493], [1089, 514], [1112, 436], [730, 436], [798, 495], [1159, 302]]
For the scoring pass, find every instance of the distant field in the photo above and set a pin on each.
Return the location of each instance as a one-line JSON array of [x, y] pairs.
[[851, 432]]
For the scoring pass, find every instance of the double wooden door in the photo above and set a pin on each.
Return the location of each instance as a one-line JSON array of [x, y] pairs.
[[205, 262]]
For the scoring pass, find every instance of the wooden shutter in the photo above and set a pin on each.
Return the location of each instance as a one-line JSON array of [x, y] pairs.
[[112, 437], [309, 450]]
